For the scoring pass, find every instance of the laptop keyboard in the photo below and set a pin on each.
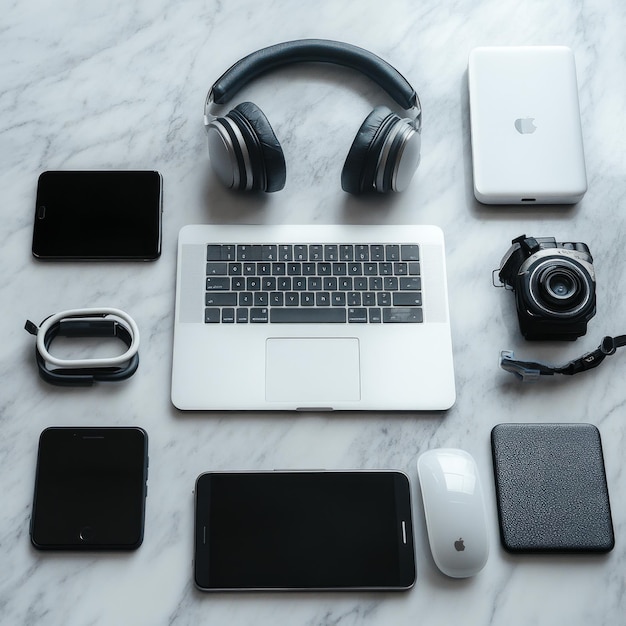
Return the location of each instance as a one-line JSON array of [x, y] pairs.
[[313, 283]]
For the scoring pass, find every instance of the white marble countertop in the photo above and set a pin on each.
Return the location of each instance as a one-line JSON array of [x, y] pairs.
[[121, 85]]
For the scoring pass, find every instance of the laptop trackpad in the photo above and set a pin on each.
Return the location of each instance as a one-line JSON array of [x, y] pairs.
[[312, 371]]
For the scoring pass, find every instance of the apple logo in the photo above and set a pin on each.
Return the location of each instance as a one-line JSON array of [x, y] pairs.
[[525, 125], [459, 546]]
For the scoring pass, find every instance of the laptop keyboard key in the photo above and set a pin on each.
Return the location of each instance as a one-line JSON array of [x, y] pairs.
[[249, 253], [314, 283], [377, 252], [360, 283], [375, 283], [390, 283], [354, 298], [316, 253], [308, 316], [253, 283], [217, 284], [213, 253], [322, 298], [285, 252], [383, 298], [410, 253], [229, 253], [245, 298], [375, 316], [220, 298], [259, 315], [407, 298], [403, 315], [369, 299], [277, 298], [216, 269], [268, 283], [410, 284], [331, 252], [212, 315], [357, 316], [238, 284], [228, 316], [261, 298], [269, 253], [338, 298], [346, 252], [362, 252], [392, 252]]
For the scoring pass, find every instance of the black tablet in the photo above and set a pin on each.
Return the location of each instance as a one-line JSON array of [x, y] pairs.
[[98, 215], [322, 530]]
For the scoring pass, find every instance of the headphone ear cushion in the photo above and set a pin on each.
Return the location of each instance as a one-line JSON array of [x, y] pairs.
[[266, 152], [359, 170]]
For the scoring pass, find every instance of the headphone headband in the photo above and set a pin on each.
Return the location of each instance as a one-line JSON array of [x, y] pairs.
[[314, 51], [246, 154]]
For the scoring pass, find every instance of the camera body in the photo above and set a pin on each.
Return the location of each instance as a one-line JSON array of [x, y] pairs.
[[554, 285]]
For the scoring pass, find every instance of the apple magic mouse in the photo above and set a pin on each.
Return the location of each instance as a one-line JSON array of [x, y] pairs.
[[454, 510]]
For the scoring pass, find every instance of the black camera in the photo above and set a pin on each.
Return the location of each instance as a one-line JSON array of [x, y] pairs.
[[554, 285]]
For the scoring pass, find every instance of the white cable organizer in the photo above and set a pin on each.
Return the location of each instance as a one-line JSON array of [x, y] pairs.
[[87, 322]]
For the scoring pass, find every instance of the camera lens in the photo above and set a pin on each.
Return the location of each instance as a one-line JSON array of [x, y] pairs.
[[560, 288], [561, 285]]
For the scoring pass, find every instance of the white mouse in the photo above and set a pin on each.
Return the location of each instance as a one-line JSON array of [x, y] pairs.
[[455, 511]]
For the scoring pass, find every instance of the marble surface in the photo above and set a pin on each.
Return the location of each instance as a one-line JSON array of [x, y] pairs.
[[122, 85]]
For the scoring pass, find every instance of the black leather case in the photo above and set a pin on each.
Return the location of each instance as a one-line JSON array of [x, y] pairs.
[[551, 488]]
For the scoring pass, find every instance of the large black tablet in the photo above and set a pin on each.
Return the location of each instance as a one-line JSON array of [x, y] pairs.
[[322, 530]]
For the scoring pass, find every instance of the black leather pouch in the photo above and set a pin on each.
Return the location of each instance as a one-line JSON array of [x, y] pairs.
[[551, 488]]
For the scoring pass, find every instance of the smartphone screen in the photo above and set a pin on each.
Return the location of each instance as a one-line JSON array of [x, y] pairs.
[[93, 215], [90, 489], [303, 530]]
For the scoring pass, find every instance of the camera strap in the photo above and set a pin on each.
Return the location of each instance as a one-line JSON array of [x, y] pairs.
[[530, 371]]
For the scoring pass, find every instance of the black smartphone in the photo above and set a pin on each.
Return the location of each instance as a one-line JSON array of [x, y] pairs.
[[90, 489], [319, 530], [98, 215]]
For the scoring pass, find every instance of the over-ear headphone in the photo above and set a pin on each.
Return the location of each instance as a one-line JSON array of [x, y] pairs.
[[246, 155]]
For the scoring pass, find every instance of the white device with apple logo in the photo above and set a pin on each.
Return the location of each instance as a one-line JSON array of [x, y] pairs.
[[454, 510], [527, 144]]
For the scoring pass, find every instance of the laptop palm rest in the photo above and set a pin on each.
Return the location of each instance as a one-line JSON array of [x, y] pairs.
[[312, 371]]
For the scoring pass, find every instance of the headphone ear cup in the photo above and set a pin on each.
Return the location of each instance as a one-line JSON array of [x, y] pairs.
[[359, 170], [384, 154], [245, 152], [266, 153]]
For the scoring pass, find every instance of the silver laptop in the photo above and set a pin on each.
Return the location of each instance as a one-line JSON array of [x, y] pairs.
[[312, 318]]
